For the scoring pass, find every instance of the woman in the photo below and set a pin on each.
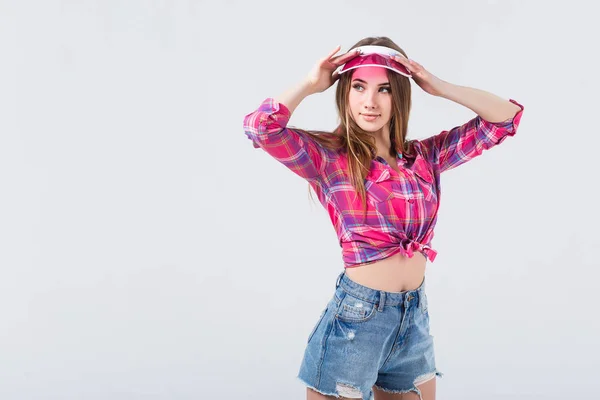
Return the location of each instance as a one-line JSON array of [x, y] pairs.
[[382, 194]]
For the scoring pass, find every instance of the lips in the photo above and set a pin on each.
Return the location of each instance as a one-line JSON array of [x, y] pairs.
[[370, 117]]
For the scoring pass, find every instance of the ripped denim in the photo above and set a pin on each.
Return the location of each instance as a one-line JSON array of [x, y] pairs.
[[367, 337]]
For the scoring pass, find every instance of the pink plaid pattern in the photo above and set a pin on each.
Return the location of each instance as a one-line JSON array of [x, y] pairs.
[[401, 208]]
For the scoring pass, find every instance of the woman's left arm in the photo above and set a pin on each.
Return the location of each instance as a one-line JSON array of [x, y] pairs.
[[487, 105], [496, 120]]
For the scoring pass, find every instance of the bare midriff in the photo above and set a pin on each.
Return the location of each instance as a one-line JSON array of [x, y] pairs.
[[396, 273]]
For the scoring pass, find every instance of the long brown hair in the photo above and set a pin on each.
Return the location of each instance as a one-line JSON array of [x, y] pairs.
[[357, 144]]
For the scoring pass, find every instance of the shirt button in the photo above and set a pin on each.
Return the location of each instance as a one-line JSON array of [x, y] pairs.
[[411, 201]]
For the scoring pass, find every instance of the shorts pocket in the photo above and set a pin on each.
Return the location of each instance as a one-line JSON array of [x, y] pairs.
[[353, 309]]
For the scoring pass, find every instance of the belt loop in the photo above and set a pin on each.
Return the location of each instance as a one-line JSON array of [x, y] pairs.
[[339, 278], [381, 301]]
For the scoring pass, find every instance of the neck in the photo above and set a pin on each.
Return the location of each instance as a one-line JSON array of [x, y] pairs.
[[383, 142]]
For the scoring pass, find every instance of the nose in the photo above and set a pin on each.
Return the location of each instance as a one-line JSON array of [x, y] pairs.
[[369, 102]]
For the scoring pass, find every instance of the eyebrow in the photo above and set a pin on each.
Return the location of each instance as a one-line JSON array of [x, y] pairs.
[[360, 80]]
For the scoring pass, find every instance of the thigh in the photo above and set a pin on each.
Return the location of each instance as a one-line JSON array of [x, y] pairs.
[[313, 395], [427, 390]]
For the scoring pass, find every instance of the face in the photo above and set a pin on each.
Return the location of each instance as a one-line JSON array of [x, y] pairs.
[[370, 99]]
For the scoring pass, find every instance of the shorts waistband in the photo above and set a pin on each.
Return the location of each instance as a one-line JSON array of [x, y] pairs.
[[375, 296]]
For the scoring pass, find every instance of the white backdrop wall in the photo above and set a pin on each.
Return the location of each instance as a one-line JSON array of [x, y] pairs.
[[148, 251]]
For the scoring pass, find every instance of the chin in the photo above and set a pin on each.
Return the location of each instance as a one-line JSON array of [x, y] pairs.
[[370, 127]]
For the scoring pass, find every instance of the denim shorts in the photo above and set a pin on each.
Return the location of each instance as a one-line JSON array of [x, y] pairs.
[[367, 337]]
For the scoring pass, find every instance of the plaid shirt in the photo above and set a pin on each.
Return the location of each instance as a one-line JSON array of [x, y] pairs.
[[401, 208]]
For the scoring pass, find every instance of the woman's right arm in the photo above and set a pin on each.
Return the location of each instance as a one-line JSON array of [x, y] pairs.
[[296, 149], [294, 95]]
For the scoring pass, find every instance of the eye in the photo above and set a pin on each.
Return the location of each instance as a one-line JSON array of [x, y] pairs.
[[387, 89], [357, 86]]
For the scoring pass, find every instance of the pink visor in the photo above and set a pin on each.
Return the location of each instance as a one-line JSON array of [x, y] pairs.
[[375, 56]]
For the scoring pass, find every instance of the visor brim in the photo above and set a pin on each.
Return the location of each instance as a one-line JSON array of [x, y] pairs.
[[375, 60]]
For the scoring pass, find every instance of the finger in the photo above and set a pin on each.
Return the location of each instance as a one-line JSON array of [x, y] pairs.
[[337, 48], [406, 62], [401, 59], [344, 58], [416, 64], [413, 63]]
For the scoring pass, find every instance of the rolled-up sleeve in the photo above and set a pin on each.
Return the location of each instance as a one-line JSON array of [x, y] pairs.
[[297, 150], [449, 149]]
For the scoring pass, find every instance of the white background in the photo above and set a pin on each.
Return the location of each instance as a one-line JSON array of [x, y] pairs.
[[148, 251]]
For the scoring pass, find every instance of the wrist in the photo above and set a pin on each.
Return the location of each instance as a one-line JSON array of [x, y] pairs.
[[306, 87], [446, 89]]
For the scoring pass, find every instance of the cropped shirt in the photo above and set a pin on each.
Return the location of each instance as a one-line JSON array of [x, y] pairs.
[[401, 207]]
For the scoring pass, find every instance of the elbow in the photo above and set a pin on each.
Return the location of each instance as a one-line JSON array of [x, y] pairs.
[[515, 108]]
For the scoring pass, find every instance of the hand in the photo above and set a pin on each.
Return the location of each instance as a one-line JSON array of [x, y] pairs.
[[426, 80], [322, 76]]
